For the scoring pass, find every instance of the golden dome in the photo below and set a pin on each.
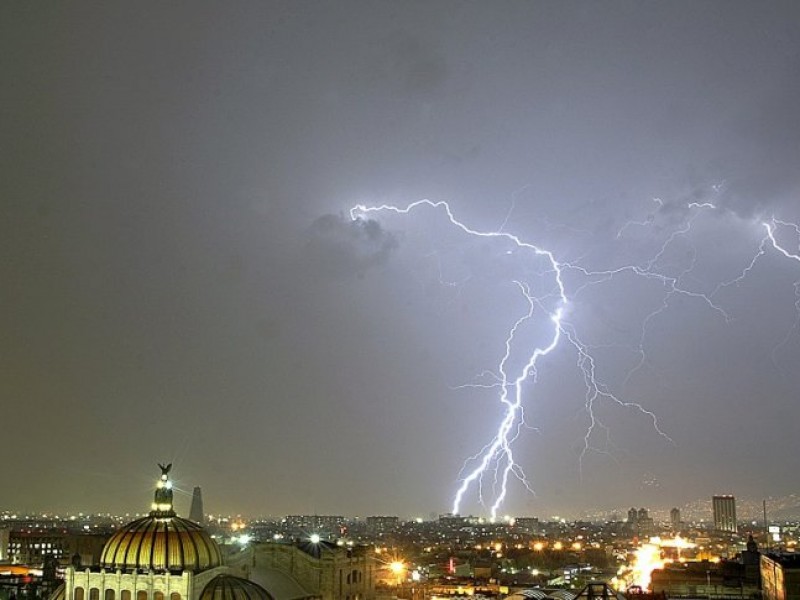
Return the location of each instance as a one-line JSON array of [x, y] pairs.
[[60, 593], [161, 544], [229, 587], [161, 541]]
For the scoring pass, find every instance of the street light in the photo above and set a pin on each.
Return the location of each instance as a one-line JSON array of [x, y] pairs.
[[398, 568]]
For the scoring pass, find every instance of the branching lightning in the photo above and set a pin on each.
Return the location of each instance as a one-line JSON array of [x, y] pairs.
[[770, 226], [494, 465]]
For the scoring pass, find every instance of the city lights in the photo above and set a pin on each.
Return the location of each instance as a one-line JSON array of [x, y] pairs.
[[397, 567]]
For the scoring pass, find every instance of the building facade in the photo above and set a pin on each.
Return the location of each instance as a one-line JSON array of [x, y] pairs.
[[780, 576], [675, 519], [382, 525], [313, 570], [34, 547], [640, 522], [724, 508]]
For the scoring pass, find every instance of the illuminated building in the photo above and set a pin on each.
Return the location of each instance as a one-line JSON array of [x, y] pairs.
[[780, 576], [325, 525], [675, 519], [159, 557], [640, 522], [528, 524], [307, 569], [382, 525], [5, 534], [724, 508], [32, 547]]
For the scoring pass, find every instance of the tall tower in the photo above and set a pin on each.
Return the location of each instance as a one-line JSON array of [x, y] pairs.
[[196, 511], [724, 513], [675, 518]]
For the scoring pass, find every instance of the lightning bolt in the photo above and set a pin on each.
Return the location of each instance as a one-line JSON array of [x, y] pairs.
[[770, 226], [494, 465], [498, 453], [497, 456]]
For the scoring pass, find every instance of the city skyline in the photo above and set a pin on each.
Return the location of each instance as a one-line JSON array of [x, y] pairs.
[[187, 277], [700, 510]]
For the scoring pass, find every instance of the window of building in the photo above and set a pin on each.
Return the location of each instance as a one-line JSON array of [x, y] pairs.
[[78, 593], [109, 595], [94, 594], [141, 595], [158, 596], [125, 595]]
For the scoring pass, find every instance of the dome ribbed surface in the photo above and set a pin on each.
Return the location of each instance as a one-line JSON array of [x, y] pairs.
[[161, 544], [59, 593], [228, 587]]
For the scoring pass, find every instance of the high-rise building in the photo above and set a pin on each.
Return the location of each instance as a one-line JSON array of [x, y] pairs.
[[382, 525], [528, 525], [675, 519], [5, 535], [640, 522], [724, 513], [196, 513]]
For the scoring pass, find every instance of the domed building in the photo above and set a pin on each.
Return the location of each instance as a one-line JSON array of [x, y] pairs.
[[159, 557]]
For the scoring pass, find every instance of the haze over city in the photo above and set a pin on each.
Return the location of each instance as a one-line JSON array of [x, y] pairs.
[[184, 281]]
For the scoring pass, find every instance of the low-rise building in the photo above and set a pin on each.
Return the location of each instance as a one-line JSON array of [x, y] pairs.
[[780, 576]]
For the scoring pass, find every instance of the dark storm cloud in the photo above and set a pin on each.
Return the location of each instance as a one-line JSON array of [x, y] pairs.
[[339, 246], [759, 171], [408, 64], [767, 176]]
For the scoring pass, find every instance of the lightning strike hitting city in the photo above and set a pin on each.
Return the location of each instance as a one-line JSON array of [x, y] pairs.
[[400, 300], [514, 384]]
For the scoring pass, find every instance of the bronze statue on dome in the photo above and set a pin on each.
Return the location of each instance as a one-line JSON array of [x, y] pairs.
[[162, 501]]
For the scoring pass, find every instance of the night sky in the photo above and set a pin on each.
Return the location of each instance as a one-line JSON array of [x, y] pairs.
[[181, 281]]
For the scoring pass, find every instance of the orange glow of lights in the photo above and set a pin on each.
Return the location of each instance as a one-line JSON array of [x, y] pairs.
[[648, 558], [397, 567]]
